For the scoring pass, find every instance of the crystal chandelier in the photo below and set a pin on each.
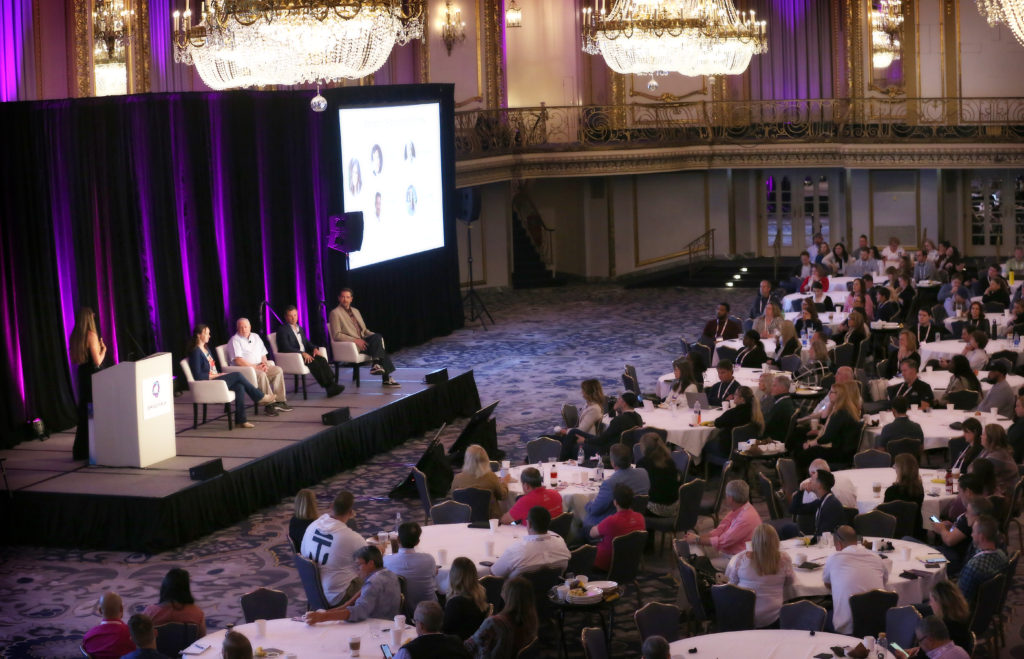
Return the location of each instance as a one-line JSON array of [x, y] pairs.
[[513, 15], [886, 28], [1010, 12], [111, 31], [245, 43], [692, 37], [453, 30]]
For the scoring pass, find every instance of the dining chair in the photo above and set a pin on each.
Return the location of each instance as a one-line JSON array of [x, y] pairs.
[[786, 469], [595, 646], [264, 604], [687, 513], [872, 458], [711, 507], [803, 615], [875, 524], [910, 445], [570, 415], [627, 550], [986, 607], [734, 607], [173, 637], [309, 574], [423, 489], [492, 591], [868, 611], [531, 650], [542, 448], [562, 525], [697, 616], [581, 560], [901, 625], [476, 498], [965, 399], [908, 518], [1001, 617], [768, 494], [682, 460], [450, 512], [657, 619]]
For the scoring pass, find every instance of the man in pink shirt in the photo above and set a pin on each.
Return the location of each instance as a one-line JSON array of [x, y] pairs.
[[111, 638], [534, 494], [735, 530], [622, 522]]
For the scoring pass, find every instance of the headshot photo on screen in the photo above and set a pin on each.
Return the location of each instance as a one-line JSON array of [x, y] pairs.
[[404, 208]]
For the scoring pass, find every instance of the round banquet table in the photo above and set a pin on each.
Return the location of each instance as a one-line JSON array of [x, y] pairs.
[[460, 540], [1003, 322], [862, 480], [947, 349], [292, 637], [762, 643], [682, 431], [769, 348], [938, 380], [575, 484], [935, 425], [831, 319], [747, 377], [792, 301], [811, 583]]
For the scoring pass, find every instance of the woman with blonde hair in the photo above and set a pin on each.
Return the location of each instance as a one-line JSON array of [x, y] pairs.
[[906, 349], [949, 604], [304, 514], [857, 330], [477, 472], [769, 323], [788, 343], [466, 606], [838, 437], [996, 449], [87, 351], [590, 416], [765, 570]]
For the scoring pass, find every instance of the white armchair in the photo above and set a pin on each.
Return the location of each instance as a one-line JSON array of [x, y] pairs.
[[291, 363], [207, 392], [345, 353]]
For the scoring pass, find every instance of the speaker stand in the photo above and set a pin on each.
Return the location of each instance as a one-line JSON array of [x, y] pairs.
[[471, 300]]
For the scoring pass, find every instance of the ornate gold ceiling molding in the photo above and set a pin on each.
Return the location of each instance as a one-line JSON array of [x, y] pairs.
[[649, 161]]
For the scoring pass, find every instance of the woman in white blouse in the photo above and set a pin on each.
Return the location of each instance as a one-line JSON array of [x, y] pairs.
[[765, 570], [594, 402], [686, 382]]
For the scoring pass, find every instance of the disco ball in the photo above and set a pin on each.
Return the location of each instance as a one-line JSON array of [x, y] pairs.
[[318, 104]]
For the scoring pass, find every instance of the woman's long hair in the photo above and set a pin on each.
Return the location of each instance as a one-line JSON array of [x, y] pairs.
[[746, 394], [476, 461], [908, 476], [655, 450], [961, 368], [175, 588], [593, 393], [305, 505], [463, 580], [765, 553], [686, 376], [78, 344], [520, 606], [951, 601], [193, 343]]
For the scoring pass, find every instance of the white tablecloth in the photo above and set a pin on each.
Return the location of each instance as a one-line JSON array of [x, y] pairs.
[[831, 319], [761, 643], [935, 425], [681, 429], [460, 540], [747, 377], [948, 349], [863, 480], [326, 639], [808, 583], [1003, 322], [769, 348], [792, 301], [574, 484]]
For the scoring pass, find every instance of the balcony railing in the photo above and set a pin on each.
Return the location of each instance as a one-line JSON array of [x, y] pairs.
[[485, 133]]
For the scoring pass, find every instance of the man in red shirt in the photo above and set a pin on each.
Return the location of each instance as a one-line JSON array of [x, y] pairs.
[[111, 638], [534, 494], [623, 521]]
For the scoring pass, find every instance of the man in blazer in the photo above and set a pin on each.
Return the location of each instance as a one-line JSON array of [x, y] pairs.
[[827, 509], [347, 325], [292, 338]]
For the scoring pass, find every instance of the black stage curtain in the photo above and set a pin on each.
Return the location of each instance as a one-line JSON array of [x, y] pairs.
[[163, 210]]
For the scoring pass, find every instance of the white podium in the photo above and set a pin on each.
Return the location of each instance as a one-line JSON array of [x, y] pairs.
[[133, 413]]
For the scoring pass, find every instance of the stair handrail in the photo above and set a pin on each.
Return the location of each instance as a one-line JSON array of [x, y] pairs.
[[546, 249], [776, 254], [704, 244]]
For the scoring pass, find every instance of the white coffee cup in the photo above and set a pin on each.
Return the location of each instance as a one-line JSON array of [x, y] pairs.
[[494, 525], [905, 553], [562, 591], [800, 558], [261, 628], [915, 407], [400, 621], [869, 643], [396, 638], [927, 369], [876, 545], [950, 407], [442, 557], [826, 539], [506, 464], [994, 411], [489, 548]]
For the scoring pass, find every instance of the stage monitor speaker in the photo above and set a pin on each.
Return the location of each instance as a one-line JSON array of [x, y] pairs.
[[338, 416], [435, 466], [345, 232], [469, 205], [436, 377], [206, 470]]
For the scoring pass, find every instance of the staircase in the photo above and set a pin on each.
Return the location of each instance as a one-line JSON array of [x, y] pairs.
[[528, 268], [743, 272]]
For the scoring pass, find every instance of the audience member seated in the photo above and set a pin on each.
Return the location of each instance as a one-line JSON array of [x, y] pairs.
[[305, 513], [764, 297], [901, 427], [768, 324], [292, 338], [856, 330], [842, 488], [538, 549], [593, 408], [788, 343], [851, 570], [801, 273], [814, 370], [204, 367], [176, 602], [924, 269], [330, 543], [247, 349], [999, 396], [948, 604], [465, 607], [655, 647], [838, 439], [859, 290], [955, 536], [971, 429], [661, 469], [1015, 263], [725, 388], [987, 561], [625, 418], [765, 570], [933, 640], [976, 322], [926, 331], [140, 626], [808, 323], [431, 641], [735, 530], [419, 569], [819, 299], [887, 308], [506, 633], [622, 522], [997, 292], [975, 350], [723, 327], [913, 388], [864, 265], [818, 274], [603, 505], [745, 409], [752, 355], [837, 259], [961, 378], [997, 451], [236, 646], [476, 472], [954, 295], [776, 422], [686, 382], [534, 494], [908, 486], [892, 253], [825, 506], [379, 597], [906, 348], [111, 638], [904, 294], [1015, 433]]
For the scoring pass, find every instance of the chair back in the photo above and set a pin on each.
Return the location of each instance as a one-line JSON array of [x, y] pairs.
[[423, 489], [717, 503], [657, 619], [631, 436], [743, 433], [993, 307], [910, 445], [581, 560], [786, 468], [803, 615], [986, 604], [768, 492], [1011, 571], [691, 588], [875, 524], [570, 415], [638, 452], [640, 503], [734, 607], [965, 399], [595, 646], [272, 337], [543, 580], [542, 448], [690, 495], [790, 363], [450, 512], [264, 604], [187, 370], [868, 611], [844, 355], [630, 384], [173, 637], [682, 460], [562, 525], [476, 498], [626, 551], [531, 650], [222, 355], [872, 458], [901, 625], [908, 521], [309, 573]]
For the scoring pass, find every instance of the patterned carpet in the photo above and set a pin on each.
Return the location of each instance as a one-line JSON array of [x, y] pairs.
[[543, 343]]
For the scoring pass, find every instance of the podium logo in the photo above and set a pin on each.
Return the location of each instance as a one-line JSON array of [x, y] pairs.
[[155, 390]]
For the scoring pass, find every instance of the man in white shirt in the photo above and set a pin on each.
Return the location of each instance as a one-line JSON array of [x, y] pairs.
[[539, 549], [247, 349], [842, 490], [330, 543], [850, 571]]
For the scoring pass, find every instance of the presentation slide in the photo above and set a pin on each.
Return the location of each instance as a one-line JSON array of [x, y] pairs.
[[391, 171]]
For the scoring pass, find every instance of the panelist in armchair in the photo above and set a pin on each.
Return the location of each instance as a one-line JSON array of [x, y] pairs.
[[347, 325], [292, 338], [204, 367]]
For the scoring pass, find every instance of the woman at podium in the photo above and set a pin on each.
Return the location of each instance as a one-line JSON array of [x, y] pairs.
[[205, 368], [88, 351]]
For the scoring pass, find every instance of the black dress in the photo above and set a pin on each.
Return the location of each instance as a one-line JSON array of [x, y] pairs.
[[664, 482], [461, 617], [80, 449]]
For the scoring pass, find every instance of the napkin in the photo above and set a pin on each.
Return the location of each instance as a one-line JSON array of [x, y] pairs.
[[859, 652]]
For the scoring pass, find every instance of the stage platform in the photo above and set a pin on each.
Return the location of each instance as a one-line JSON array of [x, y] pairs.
[[57, 501]]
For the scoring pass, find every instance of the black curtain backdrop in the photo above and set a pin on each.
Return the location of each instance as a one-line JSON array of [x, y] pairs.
[[163, 210]]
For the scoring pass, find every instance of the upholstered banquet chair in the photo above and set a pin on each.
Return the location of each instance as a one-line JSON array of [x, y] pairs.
[[207, 392], [345, 353], [291, 363]]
